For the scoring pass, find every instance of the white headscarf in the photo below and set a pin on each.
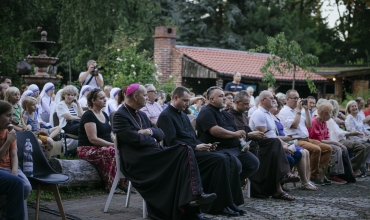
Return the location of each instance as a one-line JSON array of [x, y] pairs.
[[25, 94], [112, 104], [45, 99], [34, 88], [83, 90], [82, 99], [58, 97]]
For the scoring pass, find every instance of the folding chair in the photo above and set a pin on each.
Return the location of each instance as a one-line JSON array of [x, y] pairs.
[[44, 177], [118, 176]]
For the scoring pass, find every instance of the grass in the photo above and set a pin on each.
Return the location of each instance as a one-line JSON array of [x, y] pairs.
[[67, 193]]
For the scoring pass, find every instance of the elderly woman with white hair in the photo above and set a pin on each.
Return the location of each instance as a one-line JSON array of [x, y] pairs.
[[250, 92], [69, 110], [354, 122], [319, 131], [350, 139]]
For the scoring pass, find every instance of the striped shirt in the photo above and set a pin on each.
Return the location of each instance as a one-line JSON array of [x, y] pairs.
[[72, 111]]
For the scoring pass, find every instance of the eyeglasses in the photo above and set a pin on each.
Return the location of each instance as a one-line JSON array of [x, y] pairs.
[[271, 98], [230, 98], [295, 98], [155, 92], [209, 90]]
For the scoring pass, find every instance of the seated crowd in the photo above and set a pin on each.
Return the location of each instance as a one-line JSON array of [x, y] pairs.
[[192, 150]]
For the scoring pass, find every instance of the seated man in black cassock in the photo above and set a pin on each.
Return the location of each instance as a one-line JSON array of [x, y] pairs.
[[218, 170], [274, 165], [168, 179], [216, 125]]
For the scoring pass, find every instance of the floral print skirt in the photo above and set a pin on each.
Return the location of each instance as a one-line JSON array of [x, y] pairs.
[[103, 158]]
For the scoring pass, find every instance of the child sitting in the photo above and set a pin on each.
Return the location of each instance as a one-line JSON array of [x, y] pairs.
[[12, 96], [30, 118], [8, 147]]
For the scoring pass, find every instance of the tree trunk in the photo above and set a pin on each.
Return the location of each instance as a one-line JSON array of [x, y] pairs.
[[81, 173]]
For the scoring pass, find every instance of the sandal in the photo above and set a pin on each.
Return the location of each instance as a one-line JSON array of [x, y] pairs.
[[289, 178], [308, 186], [119, 191], [284, 196]]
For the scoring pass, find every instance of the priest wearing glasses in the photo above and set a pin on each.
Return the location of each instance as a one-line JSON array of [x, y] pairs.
[[168, 179]]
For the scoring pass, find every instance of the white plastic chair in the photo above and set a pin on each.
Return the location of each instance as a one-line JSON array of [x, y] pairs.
[[118, 176]]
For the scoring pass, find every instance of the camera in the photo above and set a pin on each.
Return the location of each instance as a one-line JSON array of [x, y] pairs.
[[98, 68], [304, 102]]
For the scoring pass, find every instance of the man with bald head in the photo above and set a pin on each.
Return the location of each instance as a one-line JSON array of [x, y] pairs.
[[217, 126], [3, 88], [235, 86], [151, 167]]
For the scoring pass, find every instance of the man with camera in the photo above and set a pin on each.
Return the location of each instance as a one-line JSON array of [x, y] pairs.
[[295, 125], [92, 77]]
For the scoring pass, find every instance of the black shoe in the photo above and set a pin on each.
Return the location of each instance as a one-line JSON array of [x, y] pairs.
[[326, 181], [203, 199], [228, 212], [235, 208], [317, 181], [197, 216]]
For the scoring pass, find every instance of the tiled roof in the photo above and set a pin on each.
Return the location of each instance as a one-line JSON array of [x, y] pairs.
[[229, 61]]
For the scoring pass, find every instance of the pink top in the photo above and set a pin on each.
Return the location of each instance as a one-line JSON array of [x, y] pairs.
[[319, 130], [152, 110]]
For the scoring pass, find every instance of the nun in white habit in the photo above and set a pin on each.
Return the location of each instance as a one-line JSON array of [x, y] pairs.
[[82, 98], [112, 103], [46, 98], [52, 107]]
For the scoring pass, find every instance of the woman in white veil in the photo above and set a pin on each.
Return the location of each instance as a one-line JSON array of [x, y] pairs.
[[52, 107], [112, 103], [82, 98], [46, 98]]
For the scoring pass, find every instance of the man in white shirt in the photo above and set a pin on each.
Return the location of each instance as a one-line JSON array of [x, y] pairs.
[[91, 77], [152, 109], [311, 102], [262, 121], [295, 125]]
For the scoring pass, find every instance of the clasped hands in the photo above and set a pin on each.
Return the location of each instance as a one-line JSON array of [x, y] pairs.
[[145, 132]]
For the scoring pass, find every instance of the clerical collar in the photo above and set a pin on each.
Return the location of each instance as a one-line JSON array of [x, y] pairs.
[[147, 101], [130, 108], [175, 108], [215, 108]]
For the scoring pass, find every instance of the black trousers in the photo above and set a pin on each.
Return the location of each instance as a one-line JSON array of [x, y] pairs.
[[72, 127]]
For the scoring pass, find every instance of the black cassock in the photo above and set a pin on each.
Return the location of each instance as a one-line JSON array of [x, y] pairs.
[[167, 178], [218, 170]]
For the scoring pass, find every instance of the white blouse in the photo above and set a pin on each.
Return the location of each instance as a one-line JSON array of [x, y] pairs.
[[355, 124]]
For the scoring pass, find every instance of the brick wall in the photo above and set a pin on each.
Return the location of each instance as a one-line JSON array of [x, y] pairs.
[[167, 59]]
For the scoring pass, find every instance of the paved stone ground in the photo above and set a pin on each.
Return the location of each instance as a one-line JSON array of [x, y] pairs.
[[349, 201]]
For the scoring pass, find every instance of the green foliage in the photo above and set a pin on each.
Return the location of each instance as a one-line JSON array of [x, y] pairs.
[[168, 86], [363, 93], [125, 65], [286, 57]]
